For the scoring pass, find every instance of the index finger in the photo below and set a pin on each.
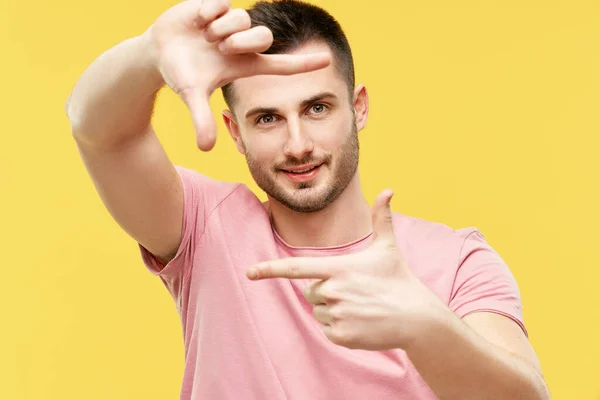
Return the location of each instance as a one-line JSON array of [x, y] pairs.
[[288, 64], [297, 268]]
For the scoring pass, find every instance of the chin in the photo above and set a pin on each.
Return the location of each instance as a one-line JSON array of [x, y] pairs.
[[306, 197], [308, 190], [306, 207]]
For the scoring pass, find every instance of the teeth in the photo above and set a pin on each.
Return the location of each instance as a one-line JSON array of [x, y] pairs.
[[303, 171]]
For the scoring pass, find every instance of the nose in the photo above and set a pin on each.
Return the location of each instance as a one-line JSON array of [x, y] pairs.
[[298, 143]]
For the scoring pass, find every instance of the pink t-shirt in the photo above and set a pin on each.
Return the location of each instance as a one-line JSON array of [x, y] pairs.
[[259, 340]]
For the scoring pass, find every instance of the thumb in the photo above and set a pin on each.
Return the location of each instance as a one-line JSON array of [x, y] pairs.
[[197, 102], [382, 216]]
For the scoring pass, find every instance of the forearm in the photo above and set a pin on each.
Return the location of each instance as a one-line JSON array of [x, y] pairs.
[[457, 363], [114, 97]]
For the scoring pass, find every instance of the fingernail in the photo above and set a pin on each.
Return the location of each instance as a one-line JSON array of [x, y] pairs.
[[252, 273], [390, 193]]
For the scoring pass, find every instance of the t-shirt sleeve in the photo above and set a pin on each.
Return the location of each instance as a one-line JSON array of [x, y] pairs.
[[484, 282], [201, 195]]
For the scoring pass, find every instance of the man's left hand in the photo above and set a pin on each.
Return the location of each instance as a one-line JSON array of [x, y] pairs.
[[369, 300]]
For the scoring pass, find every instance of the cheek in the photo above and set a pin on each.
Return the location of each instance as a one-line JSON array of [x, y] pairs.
[[331, 136], [263, 148]]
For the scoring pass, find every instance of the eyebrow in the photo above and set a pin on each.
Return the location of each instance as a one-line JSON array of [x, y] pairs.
[[303, 104]]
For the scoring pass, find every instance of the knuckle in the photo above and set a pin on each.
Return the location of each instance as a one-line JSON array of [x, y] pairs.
[[211, 9], [329, 291], [230, 43], [308, 292], [337, 313], [242, 17], [264, 271], [316, 312], [203, 14], [328, 295], [217, 4], [339, 336], [264, 34], [387, 246], [267, 272], [341, 270], [293, 270], [210, 33], [391, 246], [223, 6]]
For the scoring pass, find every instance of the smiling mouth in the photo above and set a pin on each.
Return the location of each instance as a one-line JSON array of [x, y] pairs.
[[303, 173], [302, 170]]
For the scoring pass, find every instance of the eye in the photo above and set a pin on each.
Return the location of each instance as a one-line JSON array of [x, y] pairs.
[[266, 119], [318, 108]]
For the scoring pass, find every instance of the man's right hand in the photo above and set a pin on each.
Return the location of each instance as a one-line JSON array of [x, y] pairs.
[[201, 45]]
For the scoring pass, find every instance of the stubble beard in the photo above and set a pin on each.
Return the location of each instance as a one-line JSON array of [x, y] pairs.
[[306, 197]]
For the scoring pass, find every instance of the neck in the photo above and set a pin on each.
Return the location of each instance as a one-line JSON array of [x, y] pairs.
[[345, 220]]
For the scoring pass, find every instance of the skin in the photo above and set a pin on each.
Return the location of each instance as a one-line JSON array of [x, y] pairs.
[[330, 210], [369, 300]]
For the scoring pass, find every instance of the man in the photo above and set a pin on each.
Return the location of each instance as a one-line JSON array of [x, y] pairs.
[[313, 294]]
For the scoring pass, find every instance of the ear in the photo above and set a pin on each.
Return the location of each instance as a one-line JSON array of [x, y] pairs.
[[361, 106], [233, 129]]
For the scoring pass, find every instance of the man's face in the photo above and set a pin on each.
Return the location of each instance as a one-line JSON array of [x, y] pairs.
[[299, 134]]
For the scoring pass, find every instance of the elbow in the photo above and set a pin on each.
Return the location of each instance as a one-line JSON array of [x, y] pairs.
[[537, 389], [525, 384], [69, 112], [67, 106], [543, 393], [70, 109], [75, 121]]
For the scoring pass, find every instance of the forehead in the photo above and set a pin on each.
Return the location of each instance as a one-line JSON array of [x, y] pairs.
[[287, 91]]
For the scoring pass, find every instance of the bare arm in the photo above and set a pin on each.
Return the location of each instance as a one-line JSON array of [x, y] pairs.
[[110, 111], [111, 106], [113, 100], [486, 356]]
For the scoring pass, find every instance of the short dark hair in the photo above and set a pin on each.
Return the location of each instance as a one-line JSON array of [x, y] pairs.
[[295, 23]]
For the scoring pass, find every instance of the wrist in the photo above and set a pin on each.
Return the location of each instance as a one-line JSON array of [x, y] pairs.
[[148, 56], [442, 330], [434, 321]]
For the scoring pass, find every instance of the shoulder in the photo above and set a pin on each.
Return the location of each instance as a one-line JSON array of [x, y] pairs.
[[413, 231], [194, 178], [209, 191], [231, 200], [456, 264]]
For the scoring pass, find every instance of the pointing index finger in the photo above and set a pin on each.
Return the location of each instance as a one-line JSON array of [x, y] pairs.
[[296, 268]]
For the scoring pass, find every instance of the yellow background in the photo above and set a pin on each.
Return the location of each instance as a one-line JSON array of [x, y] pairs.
[[482, 114]]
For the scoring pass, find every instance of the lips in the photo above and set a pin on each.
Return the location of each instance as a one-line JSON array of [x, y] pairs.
[[301, 169], [302, 173]]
